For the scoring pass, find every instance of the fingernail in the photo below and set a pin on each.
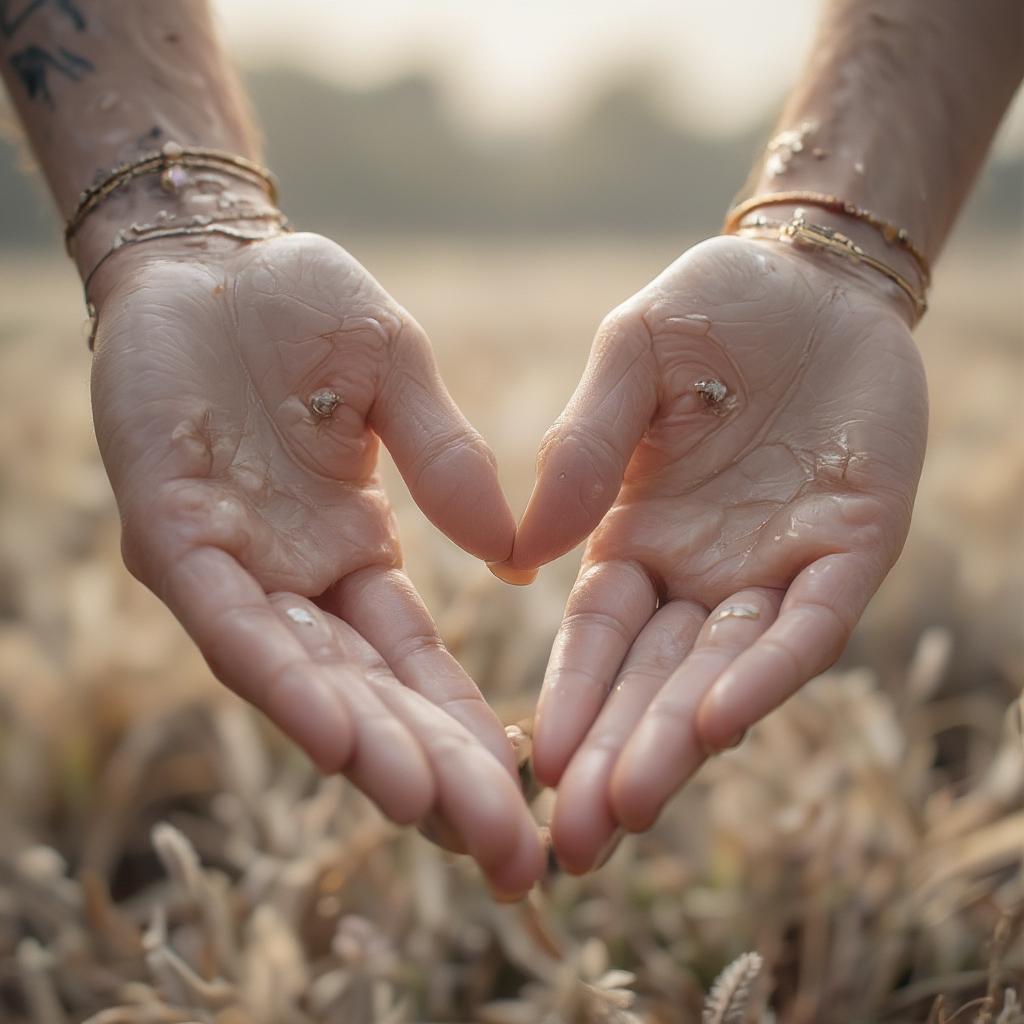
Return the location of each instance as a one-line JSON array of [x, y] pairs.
[[517, 577], [606, 851], [508, 897]]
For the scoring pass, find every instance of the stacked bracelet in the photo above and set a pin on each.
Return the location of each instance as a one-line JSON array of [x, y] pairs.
[[172, 163], [230, 216], [798, 231], [892, 234]]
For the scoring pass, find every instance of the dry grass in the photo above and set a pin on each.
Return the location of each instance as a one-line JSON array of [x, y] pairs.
[[164, 858]]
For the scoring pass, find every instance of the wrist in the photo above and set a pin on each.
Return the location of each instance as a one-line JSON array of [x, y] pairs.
[[178, 201], [855, 250]]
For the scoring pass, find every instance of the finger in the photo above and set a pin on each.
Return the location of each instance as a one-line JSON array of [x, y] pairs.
[[583, 457], [475, 795], [449, 469], [664, 749], [583, 826], [609, 605], [387, 763], [250, 650], [817, 616], [382, 605]]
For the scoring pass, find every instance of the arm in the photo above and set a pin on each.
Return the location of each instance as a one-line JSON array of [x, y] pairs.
[[239, 391], [748, 435], [99, 84]]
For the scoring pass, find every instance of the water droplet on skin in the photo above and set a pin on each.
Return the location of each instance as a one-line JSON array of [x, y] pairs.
[[739, 611], [322, 403], [692, 323], [711, 390], [786, 145], [301, 616]]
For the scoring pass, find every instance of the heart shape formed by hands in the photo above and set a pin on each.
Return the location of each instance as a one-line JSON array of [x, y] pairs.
[[742, 453]]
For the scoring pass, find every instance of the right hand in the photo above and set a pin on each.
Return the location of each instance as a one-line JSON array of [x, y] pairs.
[[266, 531]]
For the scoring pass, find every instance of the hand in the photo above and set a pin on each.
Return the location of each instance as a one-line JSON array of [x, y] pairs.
[[739, 532], [265, 529]]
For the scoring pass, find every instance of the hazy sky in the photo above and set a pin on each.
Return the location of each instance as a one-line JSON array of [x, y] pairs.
[[526, 64]]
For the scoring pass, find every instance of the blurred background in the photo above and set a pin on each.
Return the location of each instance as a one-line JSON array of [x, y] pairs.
[[510, 172]]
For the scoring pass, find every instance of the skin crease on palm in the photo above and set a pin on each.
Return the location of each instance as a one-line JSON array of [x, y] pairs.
[[784, 505], [265, 528]]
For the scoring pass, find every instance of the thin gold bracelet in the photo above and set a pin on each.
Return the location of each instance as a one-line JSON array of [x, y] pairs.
[[170, 163], [892, 234], [798, 231]]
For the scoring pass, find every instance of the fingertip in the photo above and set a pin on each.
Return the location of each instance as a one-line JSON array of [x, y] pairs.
[[632, 815], [509, 574], [569, 499], [453, 477], [719, 718], [466, 503], [412, 804], [517, 874], [630, 800], [550, 755], [582, 824]]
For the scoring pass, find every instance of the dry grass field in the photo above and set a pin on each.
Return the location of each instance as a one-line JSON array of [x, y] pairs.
[[164, 858]]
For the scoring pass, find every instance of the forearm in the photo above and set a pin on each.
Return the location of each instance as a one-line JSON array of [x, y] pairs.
[[897, 106], [100, 83]]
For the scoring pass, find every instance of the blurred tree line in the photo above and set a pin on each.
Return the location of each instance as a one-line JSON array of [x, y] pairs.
[[392, 159]]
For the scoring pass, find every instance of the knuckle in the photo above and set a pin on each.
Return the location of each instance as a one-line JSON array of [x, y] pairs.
[[450, 444], [622, 322], [417, 644], [407, 346], [578, 439], [590, 620]]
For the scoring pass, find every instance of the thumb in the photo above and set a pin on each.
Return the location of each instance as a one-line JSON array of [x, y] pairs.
[[584, 455], [449, 469]]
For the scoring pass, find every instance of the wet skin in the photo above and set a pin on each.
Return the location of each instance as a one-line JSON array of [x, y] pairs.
[[265, 529], [733, 543], [782, 501]]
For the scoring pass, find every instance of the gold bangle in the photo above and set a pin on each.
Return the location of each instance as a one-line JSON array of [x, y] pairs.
[[798, 231], [892, 234], [171, 163]]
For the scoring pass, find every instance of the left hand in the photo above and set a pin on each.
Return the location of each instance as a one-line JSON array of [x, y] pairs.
[[737, 540]]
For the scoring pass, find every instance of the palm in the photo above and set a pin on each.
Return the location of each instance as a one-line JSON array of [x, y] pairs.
[[748, 532], [815, 449], [264, 526]]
